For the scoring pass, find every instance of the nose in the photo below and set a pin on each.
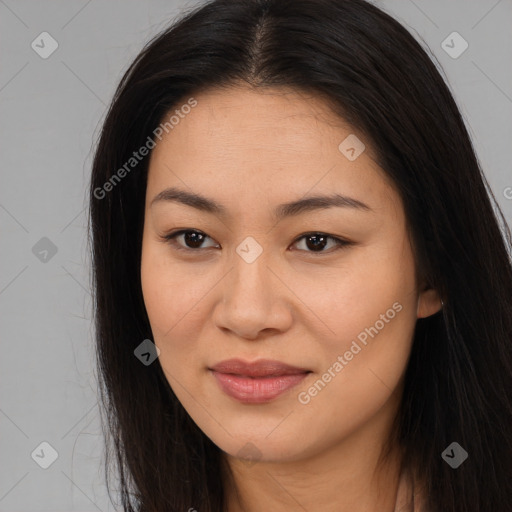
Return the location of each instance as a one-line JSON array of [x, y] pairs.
[[255, 302]]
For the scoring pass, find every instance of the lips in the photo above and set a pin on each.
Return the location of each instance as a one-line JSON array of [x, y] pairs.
[[258, 381], [261, 368]]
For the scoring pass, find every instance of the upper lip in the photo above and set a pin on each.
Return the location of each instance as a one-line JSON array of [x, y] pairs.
[[260, 368]]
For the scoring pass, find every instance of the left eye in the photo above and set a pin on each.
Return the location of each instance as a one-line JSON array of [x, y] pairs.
[[320, 241], [316, 241]]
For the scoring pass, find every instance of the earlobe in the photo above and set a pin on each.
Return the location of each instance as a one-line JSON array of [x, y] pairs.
[[429, 303]]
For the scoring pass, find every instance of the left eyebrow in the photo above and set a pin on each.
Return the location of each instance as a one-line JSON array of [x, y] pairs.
[[312, 203], [289, 209]]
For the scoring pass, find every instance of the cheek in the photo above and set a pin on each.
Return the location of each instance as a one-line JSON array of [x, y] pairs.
[[343, 302], [173, 300], [368, 314]]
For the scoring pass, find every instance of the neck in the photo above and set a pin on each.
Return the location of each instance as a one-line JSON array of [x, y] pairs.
[[347, 477]]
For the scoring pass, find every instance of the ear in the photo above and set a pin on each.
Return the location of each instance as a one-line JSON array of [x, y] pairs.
[[429, 303]]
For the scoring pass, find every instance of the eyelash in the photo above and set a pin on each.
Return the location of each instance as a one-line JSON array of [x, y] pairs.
[[340, 243]]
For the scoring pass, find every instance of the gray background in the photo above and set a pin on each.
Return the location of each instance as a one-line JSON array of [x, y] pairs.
[[51, 111]]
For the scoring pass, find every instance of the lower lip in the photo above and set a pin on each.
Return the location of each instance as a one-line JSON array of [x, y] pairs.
[[256, 390]]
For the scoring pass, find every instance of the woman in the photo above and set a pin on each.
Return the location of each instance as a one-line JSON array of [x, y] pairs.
[[303, 296]]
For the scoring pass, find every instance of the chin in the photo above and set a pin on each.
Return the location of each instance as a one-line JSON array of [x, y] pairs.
[[255, 448]]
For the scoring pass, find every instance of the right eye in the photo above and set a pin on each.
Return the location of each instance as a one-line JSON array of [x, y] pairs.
[[192, 237]]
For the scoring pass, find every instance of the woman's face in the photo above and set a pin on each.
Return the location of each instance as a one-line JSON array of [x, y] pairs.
[[253, 280]]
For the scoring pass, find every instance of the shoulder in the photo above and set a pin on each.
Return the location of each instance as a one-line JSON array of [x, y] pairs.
[[410, 496]]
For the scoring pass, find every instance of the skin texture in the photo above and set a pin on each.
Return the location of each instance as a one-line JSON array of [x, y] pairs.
[[251, 150]]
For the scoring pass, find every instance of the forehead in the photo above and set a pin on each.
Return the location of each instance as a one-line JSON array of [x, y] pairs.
[[241, 141], [244, 114]]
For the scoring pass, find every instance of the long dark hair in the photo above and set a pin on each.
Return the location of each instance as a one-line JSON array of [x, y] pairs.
[[376, 76]]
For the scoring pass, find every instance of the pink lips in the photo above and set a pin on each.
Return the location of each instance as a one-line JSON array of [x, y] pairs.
[[256, 382]]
